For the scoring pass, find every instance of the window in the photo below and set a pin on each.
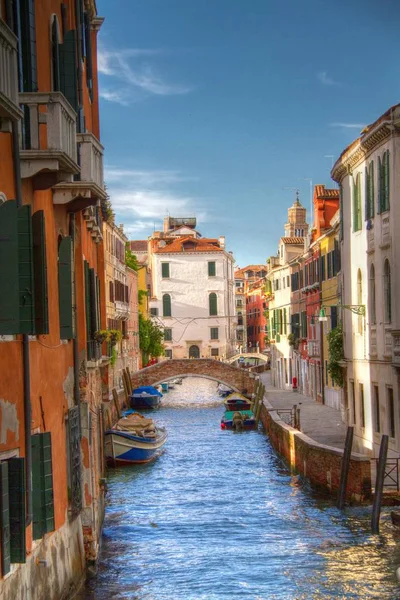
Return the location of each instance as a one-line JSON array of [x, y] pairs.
[[168, 353], [154, 311], [42, 485], [111, 291], [213, 306], [165, 270], [392, 426], [168, 334], [12, 513], [387, 292], [362, 405], [214, 333], [284, 321], [369, 191], [65, 303], [383, 177], [357, 203], [334, 318], [359, 301], [372, 306], [353, 402], [214, 351], [166, 305], [376, 410], [55, 54], [211, 269]]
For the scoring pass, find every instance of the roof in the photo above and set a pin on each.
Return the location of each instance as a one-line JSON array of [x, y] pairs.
[[322, 192], [292, 240], [138, 245], [238, 272], [194, 245]]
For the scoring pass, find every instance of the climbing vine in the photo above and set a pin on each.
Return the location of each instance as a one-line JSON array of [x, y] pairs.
[[150, 339], [336, 355]]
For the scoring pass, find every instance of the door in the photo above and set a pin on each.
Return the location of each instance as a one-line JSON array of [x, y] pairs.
[[194, 352]]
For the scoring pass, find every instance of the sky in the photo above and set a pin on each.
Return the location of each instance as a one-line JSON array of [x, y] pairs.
[[220, 109]]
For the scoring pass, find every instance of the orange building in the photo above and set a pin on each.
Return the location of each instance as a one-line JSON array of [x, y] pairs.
[[52, 303]]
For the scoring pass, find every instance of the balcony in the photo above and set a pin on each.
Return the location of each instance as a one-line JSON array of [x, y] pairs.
[[313, 348], [9, 101], [93, 222], [122, 310], [48, 135]]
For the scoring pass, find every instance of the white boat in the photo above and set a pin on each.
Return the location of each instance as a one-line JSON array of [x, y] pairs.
[[134, 440]]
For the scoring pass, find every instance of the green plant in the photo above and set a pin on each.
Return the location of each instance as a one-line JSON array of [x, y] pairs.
[[150, 339], [113, 358], [142, 294], [103, 335], [131, 260], [106, 208], [336, 355], [293, 340], [267, 340], [115, 336]]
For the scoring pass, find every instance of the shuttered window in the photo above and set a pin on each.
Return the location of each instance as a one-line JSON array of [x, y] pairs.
[[383, 183], [25, 268], [12, 513], [69, 68], [5, 519], [111, 291], [26, 31], [9, 297], [166, 305], [357, 203], [168, 334], [214, 333], [211, 269], [165, 270], [40, 272], [65, 265], [42, 485], [369, 191], [213, 304]]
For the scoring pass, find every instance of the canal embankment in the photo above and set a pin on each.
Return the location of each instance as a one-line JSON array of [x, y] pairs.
[[315, 451]]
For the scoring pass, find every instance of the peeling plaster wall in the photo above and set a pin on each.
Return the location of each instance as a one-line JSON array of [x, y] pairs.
[[8, 420], [68, 387], [58, 577]]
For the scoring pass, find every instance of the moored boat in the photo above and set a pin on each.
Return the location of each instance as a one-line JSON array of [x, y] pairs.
[[223, 390], [145, 396], [164, 387], [238, 420], [237, 401], [134, 440]]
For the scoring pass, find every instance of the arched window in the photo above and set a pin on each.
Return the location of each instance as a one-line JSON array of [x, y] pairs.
[[55, 54], [213, 306], [166, 301], [387, 292], [359, 300], [372, 306]]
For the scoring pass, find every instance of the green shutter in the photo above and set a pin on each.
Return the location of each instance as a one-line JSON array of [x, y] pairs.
[[213, 305], [380, 186], [211, 269], [40, 272], [16, 490], [98, 303], [65, 258], [386, 179], [37, 504], [93, 303], [4, 519], [27, 40], [166, 305], [47, 482], [9, 297], [25, 271], [165, 270], [69, 68], [87, 300]]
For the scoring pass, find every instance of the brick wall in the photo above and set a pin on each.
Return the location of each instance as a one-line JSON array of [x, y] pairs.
[[320, 464], [238, 379]]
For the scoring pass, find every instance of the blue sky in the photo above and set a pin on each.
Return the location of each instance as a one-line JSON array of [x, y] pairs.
[[212, 107]]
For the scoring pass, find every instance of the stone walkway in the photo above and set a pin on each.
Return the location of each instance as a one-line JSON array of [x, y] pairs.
[[321, 423]]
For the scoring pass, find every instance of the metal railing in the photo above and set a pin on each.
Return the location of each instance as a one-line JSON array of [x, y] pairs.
[[391, 477], [9, 104], [290, 416]]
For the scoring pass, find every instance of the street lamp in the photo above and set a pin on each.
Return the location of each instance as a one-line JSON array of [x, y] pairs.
[[357, 309]]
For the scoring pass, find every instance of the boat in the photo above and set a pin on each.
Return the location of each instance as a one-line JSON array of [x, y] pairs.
[[237, 401], [134, 439], [145, 396], [164, 387], [223, 390], [171, 384], [177, 381], [238, 420]]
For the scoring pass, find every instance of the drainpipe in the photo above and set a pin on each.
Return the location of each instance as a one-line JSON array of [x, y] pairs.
[[25, 347], [78, 15], [75, 343]]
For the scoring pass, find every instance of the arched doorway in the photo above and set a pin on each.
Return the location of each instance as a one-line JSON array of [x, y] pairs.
[[194, 352]]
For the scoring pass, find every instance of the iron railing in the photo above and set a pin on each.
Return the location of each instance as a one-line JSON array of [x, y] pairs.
[[391, 479]]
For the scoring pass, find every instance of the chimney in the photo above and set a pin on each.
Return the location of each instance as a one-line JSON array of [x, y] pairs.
[[221, 241], [166, 224]]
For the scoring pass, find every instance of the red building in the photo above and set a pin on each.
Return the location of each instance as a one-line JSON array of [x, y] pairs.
[[256, 316]]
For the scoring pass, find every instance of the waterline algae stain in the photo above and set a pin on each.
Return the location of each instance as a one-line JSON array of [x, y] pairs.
[[218, 516]]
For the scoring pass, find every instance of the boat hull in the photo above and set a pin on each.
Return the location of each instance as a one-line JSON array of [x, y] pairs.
[[124, 448], [145, 401], [237, 405], [238, 420]]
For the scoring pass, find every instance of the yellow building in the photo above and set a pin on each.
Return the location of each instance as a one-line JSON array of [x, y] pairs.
[[140, 249]]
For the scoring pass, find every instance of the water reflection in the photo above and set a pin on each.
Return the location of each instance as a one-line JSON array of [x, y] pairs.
[[219, 516]]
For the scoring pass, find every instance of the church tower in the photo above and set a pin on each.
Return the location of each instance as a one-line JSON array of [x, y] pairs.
[[296, 225]]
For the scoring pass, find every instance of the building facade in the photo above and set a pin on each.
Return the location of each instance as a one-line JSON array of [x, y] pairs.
[[192, 292], [52, 303]]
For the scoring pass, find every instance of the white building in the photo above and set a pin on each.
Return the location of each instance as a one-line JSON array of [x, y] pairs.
[[192, 291], [368, 172]]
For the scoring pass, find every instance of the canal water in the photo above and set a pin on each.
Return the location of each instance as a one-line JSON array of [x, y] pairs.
[[219, 516]]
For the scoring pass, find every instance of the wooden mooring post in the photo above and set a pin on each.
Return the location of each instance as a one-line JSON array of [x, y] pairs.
[[344, 473], [116, 402], [260, 397], [380, 478]]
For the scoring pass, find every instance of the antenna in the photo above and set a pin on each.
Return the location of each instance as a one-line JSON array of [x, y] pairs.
[[293, 190], [311, 199]]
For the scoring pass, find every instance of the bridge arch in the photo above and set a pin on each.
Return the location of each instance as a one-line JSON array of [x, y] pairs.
[[247, 355], [233, 377]]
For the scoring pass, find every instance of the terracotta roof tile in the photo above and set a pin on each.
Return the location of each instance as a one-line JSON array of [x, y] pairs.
[[293, 240], [193, 245], [322, 192], [138, 245]]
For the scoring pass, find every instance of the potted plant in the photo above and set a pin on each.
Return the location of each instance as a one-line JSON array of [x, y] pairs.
[[102, 336], [115, 336]]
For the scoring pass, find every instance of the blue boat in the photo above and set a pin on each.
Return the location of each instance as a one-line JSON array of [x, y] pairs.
[[134, 440], [164, 387], [145, 396]]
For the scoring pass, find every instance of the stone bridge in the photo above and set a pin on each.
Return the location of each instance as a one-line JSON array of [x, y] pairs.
[[247, 355], [235, 378]]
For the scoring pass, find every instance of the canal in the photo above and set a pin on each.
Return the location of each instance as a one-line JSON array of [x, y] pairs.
[[219, 516]]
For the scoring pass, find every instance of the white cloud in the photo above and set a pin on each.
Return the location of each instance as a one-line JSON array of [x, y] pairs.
[[349, 125], [325, 79], [147, 178], [132, 78]]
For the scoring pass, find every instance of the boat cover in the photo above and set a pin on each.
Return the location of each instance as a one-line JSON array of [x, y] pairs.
[[146, 390], [136, 424]]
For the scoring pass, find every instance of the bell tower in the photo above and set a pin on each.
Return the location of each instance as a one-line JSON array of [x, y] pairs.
[[296, 225]]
